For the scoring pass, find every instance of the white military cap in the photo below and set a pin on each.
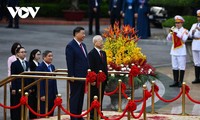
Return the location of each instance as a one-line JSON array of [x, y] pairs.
[[198, 13], [178, 18]]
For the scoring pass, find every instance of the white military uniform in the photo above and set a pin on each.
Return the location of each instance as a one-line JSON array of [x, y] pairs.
[[195, 44], [179, 54]]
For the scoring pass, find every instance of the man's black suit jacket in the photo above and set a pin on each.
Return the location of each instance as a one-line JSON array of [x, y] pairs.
[[16, 68], [96, 63]]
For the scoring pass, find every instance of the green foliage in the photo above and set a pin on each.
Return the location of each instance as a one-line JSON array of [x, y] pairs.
[[189, 20], [173, 3], [47, 9], [104, 9], [55, 9], [177, 7]]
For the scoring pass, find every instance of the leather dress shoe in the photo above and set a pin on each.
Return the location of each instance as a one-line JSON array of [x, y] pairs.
[[175, 84], [195, 81]]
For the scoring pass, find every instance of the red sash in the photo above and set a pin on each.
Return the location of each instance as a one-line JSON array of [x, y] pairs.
[[176, 40]]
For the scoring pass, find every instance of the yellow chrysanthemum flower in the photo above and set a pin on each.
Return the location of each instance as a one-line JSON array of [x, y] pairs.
[[121, 46]]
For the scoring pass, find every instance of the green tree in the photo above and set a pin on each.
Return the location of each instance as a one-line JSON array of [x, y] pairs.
[[174, 7]]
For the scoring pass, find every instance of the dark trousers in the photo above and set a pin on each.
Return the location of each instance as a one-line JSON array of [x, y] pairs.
[[95, 92], [1, 11], [76, 98], [94, 15], [11, 19], [15, 100], [50, 106], [115, 17], [32, 101]]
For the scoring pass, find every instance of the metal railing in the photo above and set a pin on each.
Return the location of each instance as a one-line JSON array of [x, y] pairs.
[[58, 74]]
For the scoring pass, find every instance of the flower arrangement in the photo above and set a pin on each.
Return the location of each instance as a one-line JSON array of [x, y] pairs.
[[123, 53]]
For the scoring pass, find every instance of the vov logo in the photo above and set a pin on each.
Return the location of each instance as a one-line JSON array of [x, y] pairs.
[[23, 12]]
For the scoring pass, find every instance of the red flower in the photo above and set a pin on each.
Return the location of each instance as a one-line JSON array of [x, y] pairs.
[[135, 71], [148, 69], [115, 67]]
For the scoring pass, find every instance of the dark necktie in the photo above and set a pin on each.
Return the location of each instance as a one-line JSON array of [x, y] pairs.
[[83, 50], [101, 55]]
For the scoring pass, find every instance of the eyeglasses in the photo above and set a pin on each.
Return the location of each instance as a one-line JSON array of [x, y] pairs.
[[177, 22]]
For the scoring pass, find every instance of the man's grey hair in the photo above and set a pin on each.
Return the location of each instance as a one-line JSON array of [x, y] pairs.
[[45, 53], [96, 38]]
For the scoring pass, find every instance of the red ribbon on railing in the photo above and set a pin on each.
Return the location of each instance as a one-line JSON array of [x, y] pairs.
[[101, 115], [187, 89], [133, 73], [111, 93], [90, 78], [95, 104], [123, 90], [147, 94], [140, 100], [23, 100], [58, 101], [191, 99], [73, 115], [174, 99], [131, 106], [123, 85], [41, 115], [142, 110], [156, 88], [101, 77], [10, 107]]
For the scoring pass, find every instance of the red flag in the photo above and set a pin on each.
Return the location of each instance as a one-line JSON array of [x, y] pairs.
[[176, 40]]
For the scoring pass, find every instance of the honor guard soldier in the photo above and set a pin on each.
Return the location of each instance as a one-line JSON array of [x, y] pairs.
[[195, 35], [178, 35]]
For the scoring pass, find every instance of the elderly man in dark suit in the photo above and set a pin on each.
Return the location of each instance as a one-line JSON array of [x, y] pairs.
[[47, 66], [97, 61], [13, 4], [115, 11], [94, 12], [77, 64], [17, 67]]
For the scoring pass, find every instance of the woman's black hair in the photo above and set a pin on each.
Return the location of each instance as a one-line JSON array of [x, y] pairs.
[[14, 47], [33, 53]]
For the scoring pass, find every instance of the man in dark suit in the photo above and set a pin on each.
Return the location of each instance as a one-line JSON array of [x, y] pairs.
[[13, 4], [115, 11], [97, 61], [46, 66], [77, 64], [94, 12], [17, 67]]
